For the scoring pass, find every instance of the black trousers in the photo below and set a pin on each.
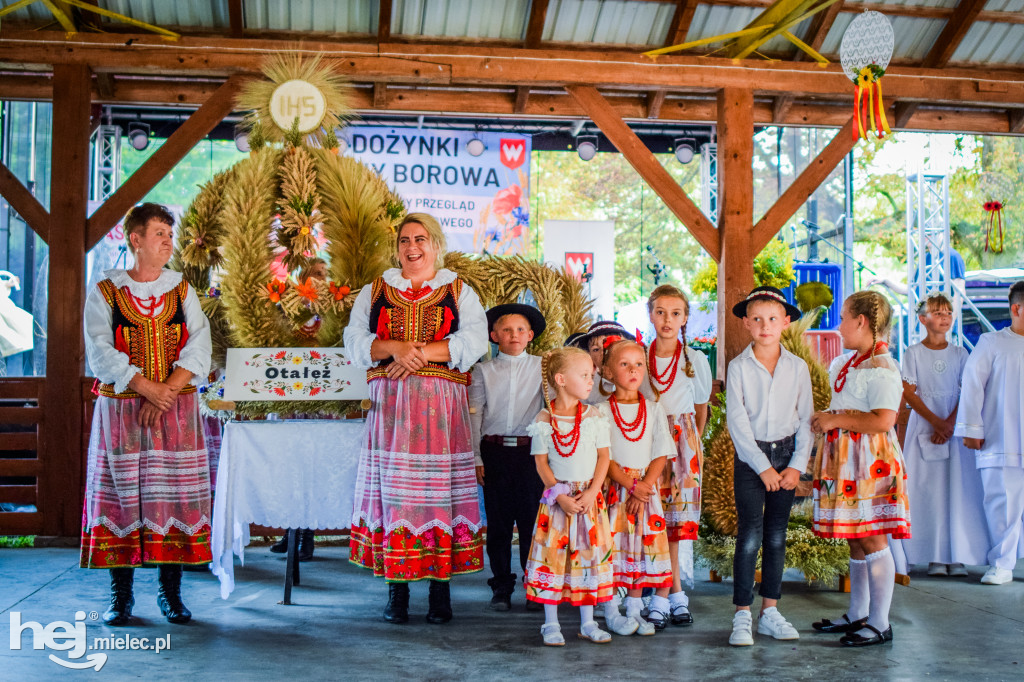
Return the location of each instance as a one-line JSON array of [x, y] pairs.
[[762, 521], [512, 490]]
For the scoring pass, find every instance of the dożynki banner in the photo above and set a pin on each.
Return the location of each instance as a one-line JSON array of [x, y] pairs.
[[482, 202]]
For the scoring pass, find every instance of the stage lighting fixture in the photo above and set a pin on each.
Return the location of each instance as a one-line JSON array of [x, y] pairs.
[[138, 135], [241, 139], [586, 146], [476, 146], [685, 147]]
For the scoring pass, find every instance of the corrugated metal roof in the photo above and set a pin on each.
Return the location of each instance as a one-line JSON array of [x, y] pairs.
[[608, 22], [461, 19], [192, 13], [315, 16]]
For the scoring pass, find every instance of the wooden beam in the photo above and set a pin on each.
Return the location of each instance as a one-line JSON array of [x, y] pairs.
[[654, 101], [380, 94], [965, 14], [535, 24], [26, 205], [780, 107], [236, 18], [816, 172], [106, 89], [735, 217], [682, 18], [904, 112], [522, 99], [821, 24], [145, 178], [649, 168], [60, 437], [1015, 120], [384, 21]]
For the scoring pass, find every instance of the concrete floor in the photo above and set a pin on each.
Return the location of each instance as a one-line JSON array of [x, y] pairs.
[[945, 629]]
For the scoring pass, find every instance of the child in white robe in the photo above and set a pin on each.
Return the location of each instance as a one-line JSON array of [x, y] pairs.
[[991, 405]]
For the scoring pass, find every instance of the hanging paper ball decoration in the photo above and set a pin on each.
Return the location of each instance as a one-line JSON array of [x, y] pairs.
[[995, 187], [864, 53]]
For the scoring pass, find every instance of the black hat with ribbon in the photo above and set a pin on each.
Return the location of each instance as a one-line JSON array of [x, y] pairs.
[[574, 339], [603, 328], [532, 315], [766, 294]]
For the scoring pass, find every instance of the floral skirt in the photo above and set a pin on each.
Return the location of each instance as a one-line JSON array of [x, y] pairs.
[[570, 558], [640, 554], [416, 515], [680, 484], [147, 491], [860, 486]]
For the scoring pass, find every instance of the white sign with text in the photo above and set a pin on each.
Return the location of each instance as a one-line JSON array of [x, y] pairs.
[[292, 374]]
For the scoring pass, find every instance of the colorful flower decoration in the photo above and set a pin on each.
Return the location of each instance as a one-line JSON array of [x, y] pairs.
[[339, 292], [656, 523], [879, 469], [864, 53], [995, 226], [849, 488], [276, 289], [307, 290]]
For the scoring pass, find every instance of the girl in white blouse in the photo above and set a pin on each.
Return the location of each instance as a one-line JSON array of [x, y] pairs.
[[859, 474], [569, 559], [641, 444]]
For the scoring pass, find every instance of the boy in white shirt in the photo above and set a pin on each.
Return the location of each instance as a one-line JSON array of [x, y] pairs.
[[768, 409], [504, 398], [989, 420]]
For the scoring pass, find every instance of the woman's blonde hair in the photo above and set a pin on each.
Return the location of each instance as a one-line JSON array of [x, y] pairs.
[[935, 301], [434, 231], [876, 310], [610, 353], [669, 291], [554, 362]]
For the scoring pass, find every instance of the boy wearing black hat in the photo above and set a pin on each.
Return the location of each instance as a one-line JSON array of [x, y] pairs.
[[505, 397], [768, 410]]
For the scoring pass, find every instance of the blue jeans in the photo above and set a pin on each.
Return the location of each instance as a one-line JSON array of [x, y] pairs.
[[762, 521]]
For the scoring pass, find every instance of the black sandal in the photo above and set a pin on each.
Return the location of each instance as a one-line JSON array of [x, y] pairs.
[[854, 639], [828, 627]]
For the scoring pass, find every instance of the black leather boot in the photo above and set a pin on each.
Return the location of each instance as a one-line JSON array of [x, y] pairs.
[[121, 599], [305, 548], [281, 546], [440, 600], [168, 598], [397, 610]]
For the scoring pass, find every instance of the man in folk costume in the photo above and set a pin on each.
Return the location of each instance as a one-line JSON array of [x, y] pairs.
[[418, 329], [147, 496]]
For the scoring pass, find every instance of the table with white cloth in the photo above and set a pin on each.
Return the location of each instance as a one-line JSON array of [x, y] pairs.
[[286, 474]]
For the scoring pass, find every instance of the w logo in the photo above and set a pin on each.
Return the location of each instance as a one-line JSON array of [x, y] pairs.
[[580, 265], [513, 153]]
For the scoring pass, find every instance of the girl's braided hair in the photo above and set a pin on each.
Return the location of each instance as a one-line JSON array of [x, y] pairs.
[[876, 310], [669, 291], [554, 362]]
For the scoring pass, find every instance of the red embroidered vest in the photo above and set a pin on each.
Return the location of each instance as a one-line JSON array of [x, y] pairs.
[[151, 343], [430, 318]]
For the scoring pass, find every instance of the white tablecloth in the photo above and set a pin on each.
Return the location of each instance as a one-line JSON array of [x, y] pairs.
[[287, 474]]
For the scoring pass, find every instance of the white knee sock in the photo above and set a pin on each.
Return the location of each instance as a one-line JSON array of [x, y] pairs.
[[859, 591], [660, 604], [550, 613], [586, 614], [882, 580], [678, 599], [611, 610], [634, 605]]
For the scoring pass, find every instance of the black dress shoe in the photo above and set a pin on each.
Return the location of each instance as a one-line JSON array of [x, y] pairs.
[[501, 601], [440, 601], [828, 627], [121, 599], [305, 548], [684, 618], [281, 546], [168, 596], [854, 639], [397, 609]]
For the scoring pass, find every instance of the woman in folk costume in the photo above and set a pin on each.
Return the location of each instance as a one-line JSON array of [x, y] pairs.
[[860, 486], [418, 329], [147, 494]]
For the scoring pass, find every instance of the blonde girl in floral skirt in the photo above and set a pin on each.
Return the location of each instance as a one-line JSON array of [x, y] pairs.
[[640, 446], [859, 475], [570, 558]]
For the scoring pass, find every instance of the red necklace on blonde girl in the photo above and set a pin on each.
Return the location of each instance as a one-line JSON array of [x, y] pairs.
[[852, 363], [565, 444], [670, 371], [628, 428]]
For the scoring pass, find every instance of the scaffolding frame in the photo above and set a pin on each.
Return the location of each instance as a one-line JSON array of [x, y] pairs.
[[709, 181], [106, 162]]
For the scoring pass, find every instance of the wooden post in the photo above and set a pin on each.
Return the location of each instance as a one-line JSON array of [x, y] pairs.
[[735, 217], [61, 453]]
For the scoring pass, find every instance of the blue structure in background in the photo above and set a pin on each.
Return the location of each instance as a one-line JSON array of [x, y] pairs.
[[829, 273]]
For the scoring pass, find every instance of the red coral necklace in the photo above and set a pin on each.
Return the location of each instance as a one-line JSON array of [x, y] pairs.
[[664, 380], [565, 443], [627, 428], [852, 363]]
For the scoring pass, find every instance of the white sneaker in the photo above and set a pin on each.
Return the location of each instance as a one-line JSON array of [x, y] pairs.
[[645, 628], [621, 625], [741, 629], [997, 576], [772, 623]]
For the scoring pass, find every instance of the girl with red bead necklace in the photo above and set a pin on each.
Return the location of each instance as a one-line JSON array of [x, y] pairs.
[[640, 446], [682, 377], [859, 474], [571, 541]]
